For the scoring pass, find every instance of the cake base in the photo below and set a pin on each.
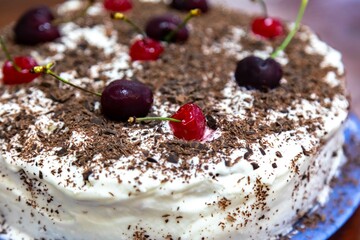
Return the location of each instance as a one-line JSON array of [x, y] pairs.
[[344, 197], [80, 226]]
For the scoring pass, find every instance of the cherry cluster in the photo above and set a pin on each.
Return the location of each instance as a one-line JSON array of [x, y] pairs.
[[131, 100], [258, 73], [163, 28]]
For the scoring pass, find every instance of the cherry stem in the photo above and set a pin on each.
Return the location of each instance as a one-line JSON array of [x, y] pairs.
[[7, 54], [192, 13], [264, 8], [121, 16], [80, 14], [135, 119], [47, 70], [293, 31]]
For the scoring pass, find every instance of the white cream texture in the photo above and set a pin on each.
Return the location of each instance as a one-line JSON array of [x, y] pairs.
[[68, 208]]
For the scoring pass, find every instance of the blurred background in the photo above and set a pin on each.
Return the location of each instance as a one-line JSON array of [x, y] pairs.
[[336, 21]]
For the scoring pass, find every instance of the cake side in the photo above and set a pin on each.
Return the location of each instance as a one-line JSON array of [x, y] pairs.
[[261, 166]]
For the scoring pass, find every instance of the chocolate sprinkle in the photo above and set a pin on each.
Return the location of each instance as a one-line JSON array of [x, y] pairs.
[[255, 165]]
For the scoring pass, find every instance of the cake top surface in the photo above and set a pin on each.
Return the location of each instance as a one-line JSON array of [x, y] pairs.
[[55, 132]]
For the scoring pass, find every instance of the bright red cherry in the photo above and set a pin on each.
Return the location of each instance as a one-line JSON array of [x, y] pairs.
[[12, 76], [118, 5], [267, 27], [192, 125], [146, 49]]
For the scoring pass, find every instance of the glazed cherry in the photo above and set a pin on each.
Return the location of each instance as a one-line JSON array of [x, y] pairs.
[[258, 73], [123, 98], [192, 125], [146, 49], [267, 27], [120, 100], [187, 5], [12, 76], [35, 26], [160, 27], [118, 5]]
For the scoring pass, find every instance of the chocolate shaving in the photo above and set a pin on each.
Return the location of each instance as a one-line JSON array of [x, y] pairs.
[[211, 122], [173, 158], [254, 165], [86, 174]]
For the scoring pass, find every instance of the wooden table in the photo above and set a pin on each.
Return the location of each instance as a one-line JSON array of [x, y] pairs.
[[11, 9]]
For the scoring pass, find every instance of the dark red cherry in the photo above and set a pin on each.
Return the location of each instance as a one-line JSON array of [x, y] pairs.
[[258, 73], [118, 5], [187, 5], [192, 125], [12, 76], [124, 98], [35, 26], [146, 49], [159, 27], [267, 27]]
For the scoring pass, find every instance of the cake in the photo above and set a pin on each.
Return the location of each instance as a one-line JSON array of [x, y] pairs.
[[68, 172]]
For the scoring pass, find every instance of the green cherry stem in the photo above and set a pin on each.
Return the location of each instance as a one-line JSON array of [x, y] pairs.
[[76, 16], [293, 31], [7, 54], [46, 69], [137, 120], [192, 13], [121, 16]]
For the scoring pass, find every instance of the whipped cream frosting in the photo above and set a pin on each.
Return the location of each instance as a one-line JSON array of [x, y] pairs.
[[250, 190]]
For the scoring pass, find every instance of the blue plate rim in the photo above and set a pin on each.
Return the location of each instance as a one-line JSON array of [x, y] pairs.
[[344, 198]]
